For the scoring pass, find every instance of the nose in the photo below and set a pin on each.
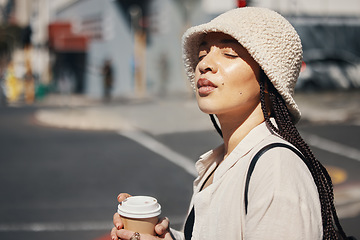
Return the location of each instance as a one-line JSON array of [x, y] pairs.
[[208, 63]]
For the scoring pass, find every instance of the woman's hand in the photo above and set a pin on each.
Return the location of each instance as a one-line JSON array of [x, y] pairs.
[[116, 219], [161, 229]]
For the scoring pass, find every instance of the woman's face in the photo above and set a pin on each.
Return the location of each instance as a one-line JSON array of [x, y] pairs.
[[226, 76]]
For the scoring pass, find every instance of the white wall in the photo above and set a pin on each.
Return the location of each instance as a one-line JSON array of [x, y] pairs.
[[164, 69], [116, 46]]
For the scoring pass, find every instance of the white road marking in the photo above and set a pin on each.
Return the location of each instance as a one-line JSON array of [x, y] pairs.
[[56, 226], [331, 146], [159, 148], [69, 226]]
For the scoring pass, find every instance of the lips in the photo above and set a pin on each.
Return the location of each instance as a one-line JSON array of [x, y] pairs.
[[205, 86]]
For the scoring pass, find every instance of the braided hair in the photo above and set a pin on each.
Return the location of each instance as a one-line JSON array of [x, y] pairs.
[[287, 130]]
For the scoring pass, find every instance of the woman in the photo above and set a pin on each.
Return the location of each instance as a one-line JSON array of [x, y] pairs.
[[244, 65]]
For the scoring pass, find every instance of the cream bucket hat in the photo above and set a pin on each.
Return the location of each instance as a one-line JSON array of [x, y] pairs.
[[268, 37]]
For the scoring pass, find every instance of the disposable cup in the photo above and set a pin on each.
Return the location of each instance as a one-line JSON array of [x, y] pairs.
[[140, 214]]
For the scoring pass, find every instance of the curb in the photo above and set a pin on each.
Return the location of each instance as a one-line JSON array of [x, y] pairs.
[[181, 114], [83, 119]]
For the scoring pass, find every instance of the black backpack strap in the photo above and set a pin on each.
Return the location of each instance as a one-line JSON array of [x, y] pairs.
[[189, 225], [256, 158]]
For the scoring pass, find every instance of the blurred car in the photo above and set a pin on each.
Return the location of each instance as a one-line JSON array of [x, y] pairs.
[[328, 70], [331, 52]]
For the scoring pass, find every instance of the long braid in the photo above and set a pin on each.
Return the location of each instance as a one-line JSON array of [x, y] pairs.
[[286, 129]]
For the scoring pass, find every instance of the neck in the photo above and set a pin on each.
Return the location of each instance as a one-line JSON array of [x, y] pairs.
[[235, 127]]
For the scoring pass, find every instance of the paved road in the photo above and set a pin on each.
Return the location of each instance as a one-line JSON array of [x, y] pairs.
[[61, 184]]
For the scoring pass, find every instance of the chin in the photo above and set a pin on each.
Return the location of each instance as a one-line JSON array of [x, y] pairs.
[[208, 105], [207, 109]]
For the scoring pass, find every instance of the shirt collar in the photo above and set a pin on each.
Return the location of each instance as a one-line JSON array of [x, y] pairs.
[[208, 158], [255, 136]]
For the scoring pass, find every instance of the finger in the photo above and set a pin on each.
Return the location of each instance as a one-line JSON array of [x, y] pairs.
[[122, 196], [117, 221], [113, 234], [162, 227], [125, 234]]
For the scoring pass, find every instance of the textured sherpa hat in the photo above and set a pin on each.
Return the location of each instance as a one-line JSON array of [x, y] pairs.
[[268, 37]]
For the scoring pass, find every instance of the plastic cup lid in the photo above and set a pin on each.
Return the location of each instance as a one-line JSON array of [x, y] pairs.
[[139, 207]]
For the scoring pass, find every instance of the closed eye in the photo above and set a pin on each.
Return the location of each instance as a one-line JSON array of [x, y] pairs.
[[201, 57], [231, 55]]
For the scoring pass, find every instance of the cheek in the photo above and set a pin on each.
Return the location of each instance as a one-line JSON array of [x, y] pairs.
[[197, 75], [239, 76], [241, 81]]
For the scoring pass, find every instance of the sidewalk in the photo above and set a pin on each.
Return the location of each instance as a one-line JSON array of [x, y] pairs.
[[156, 116], [177, 114]]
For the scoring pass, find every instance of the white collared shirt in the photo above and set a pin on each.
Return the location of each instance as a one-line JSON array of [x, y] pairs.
[[283, 198]]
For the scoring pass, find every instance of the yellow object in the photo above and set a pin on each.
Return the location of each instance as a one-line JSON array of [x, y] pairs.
[[337, 175], [14, 86]]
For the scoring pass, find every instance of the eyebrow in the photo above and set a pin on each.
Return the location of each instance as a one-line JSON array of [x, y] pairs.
[[203, 43]]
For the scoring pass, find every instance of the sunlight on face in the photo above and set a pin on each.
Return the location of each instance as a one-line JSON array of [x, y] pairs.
[[226, 76]]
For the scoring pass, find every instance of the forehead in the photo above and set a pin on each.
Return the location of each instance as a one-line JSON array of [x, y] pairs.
[[217, 38]]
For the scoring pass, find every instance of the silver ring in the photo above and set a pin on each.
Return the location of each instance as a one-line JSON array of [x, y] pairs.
[[135, 236]]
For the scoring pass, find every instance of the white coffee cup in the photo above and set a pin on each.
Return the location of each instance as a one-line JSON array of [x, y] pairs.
[[140, 214]]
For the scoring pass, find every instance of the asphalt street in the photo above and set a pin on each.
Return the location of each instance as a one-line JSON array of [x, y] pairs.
[[61, 183]]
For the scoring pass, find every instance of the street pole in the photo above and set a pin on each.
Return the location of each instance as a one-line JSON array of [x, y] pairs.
[[139, 57]]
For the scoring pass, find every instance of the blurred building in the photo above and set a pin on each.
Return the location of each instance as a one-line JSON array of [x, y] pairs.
[[141, 39], [71, 40]]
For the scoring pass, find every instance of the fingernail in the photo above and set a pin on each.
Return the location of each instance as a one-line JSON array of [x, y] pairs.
[[118, 227]]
